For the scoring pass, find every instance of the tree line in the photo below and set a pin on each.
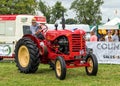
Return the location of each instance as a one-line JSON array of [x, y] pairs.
[[87, 11]]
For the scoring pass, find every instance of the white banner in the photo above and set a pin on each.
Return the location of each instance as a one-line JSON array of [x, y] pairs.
[[106, 52], [6, 49]]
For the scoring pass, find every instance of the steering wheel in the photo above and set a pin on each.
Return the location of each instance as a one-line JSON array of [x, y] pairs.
[[44, 29]]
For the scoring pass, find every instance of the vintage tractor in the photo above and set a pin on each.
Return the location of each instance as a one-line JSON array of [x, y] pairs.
[[61, 49]]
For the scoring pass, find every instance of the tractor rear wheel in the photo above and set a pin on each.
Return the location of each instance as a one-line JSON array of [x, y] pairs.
[[60, 68], [92, 61], [26, 55]]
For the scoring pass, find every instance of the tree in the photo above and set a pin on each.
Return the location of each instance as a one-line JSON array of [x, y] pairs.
[[3, 9], [51, 13], [46, 10], [87, 11], [57, 11], [18, 6], [71, 21]]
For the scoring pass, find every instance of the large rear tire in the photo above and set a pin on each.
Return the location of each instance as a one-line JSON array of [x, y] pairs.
[[93, 68], [60, 68], [26, 55]]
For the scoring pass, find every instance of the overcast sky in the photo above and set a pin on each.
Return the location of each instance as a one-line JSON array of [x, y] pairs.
[[107, 9]]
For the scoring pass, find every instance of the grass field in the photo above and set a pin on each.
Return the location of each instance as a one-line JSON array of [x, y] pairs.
[[108, 75]]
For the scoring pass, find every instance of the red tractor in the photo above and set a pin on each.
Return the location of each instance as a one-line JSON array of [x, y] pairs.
[[61, 49]]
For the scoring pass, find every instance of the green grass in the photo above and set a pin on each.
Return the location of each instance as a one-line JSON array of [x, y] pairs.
[[108, 75]]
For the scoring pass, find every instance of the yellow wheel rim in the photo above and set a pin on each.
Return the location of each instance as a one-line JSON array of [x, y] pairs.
[[90, 68], [23, 56], [58, 68]]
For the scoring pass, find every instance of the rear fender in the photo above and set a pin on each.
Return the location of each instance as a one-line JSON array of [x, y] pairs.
[[33, 38]]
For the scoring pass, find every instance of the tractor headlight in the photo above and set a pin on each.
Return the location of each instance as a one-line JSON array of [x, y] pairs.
[[87, 36], [84, 37], [81, 52]]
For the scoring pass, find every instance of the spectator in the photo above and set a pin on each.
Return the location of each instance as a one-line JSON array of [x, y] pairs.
[[108, 37], [93, 37], [115, 37], [119, 34], [102, 38]]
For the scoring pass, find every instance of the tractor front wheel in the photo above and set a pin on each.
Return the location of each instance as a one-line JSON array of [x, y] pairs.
[[93, 64], [60, 68], [26, 55]]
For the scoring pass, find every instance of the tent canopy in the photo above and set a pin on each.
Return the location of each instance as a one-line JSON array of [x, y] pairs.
[[113, 24], [85, 27], [114, 21], [108, 27]]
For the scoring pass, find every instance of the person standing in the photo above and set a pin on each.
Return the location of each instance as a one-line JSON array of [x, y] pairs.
[[115, 37], [93, 37], [108, 37], [119, 34]]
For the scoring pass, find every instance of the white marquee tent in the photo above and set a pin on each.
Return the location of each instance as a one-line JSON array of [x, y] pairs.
[[114, 21], [112, 24]]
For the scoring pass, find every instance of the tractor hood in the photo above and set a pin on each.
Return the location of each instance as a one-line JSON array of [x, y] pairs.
[[53, 34]]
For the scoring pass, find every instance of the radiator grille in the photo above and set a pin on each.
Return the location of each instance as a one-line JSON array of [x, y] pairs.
[[78, 42]]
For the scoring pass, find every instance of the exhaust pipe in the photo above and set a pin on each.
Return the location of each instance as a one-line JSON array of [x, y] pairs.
[[63, 21]]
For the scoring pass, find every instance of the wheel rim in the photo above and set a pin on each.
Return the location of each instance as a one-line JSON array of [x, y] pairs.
[[23, 56], [58, 68], [90, 68]]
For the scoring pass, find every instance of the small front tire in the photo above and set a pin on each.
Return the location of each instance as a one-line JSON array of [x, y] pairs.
[[60, 68], [92, 61]]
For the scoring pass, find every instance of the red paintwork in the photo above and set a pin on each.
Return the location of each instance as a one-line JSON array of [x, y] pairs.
[[8, 56], [76, 44], [37, 41], [52, 34], [40, 19], [7, 17]]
